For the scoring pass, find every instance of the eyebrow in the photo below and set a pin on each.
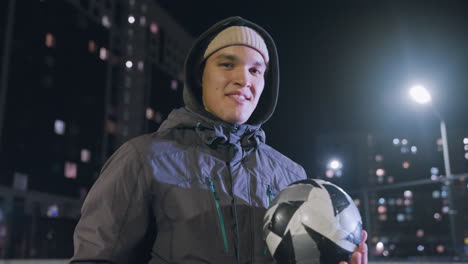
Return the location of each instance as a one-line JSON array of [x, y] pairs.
[[235, 58]]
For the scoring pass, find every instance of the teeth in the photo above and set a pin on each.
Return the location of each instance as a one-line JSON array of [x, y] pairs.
[[239, 96]]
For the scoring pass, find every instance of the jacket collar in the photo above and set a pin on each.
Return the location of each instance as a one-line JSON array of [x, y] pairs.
[[212, 130]]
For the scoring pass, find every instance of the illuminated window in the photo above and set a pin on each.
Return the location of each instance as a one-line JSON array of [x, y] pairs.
[[404, 141], [329, 173], [70, 170], [103, 55], [59, 127], [53, 211], [174, 85], [339, 173], [149, 113], [85, 155], [131, 19], [400, 217], [382, 217], [436, 194], [465, 141], [142, 20], [111, 127], [408, 194], [378, 158], [381, 201], [91, 46], [466, 147], [439, 144], [105, 21], [396, 141], [434, 170], [404, 149], [438, 217], [406, 164], [399, 202], [49, 40], [445, 209], [443, 194], [154, 28], [382, 209], [420, 248], [466, 156], [379, 247], [390, 179], [440, 249], [420, 233], [380, 172], [140, 66], [414, 149], [385, 253]]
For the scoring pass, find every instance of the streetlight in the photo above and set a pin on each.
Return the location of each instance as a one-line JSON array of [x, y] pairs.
[[422, 96], [335, 164]]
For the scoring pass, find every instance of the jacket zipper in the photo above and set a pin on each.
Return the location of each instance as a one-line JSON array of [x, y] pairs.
[[234, 211], [269, 194], [220, 214]]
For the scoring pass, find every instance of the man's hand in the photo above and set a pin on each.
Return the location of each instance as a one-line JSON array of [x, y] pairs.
[[360, 254]]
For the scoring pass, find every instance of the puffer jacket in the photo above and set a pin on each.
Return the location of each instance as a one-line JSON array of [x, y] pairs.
[[195, 191]]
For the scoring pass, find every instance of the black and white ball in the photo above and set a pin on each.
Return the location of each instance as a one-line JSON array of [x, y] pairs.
[[312, 221]]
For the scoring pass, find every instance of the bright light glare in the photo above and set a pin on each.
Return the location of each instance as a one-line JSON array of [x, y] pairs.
[[420, 94], [335, 164], [129, 64], [131, 19]]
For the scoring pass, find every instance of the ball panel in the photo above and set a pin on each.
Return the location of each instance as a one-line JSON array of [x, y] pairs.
[[272, 241], [330, 252], [305, 248], [297, 193], [306, 182], [282, 216], [338, 198], [284, 253]]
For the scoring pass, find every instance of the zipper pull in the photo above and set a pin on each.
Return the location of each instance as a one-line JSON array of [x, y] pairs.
[[211, 185], [269, 194]]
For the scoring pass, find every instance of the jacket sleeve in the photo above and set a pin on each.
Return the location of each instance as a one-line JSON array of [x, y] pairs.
[[116, 214]]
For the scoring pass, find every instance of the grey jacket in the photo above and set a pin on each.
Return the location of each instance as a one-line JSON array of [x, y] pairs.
[[193, 192]]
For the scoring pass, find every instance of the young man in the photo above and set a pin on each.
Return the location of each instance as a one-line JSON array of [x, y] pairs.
[[201, 184]]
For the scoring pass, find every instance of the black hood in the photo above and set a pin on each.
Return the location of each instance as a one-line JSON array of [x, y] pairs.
[[193, 72]]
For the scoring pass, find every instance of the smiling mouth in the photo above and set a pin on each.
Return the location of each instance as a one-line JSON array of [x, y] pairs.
[[239, 96]]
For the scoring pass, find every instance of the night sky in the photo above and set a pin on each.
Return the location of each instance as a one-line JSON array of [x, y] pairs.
[[346, 66]]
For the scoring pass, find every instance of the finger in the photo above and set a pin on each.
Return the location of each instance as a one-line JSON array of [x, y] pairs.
[[364, 236], [356, 258], [364, 253]]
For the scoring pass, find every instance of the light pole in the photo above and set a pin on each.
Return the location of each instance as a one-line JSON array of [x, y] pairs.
[[422, 96]]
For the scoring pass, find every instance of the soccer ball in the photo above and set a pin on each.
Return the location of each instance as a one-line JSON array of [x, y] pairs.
[[312, 221]]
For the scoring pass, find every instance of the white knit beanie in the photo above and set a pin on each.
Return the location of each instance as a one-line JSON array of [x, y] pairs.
[[238, 35]]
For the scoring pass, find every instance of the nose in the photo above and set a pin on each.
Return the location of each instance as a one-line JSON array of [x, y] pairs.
[[242, 78]]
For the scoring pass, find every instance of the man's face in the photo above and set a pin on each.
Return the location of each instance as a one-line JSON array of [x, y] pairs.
[[232, 81]]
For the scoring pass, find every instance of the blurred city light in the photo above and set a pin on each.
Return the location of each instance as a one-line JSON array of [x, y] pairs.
[[419, 94], [129, 64], [131, 19], [335, 164]]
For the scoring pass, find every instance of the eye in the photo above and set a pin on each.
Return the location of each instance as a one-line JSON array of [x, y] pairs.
[[255, 71], [226, 65]]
